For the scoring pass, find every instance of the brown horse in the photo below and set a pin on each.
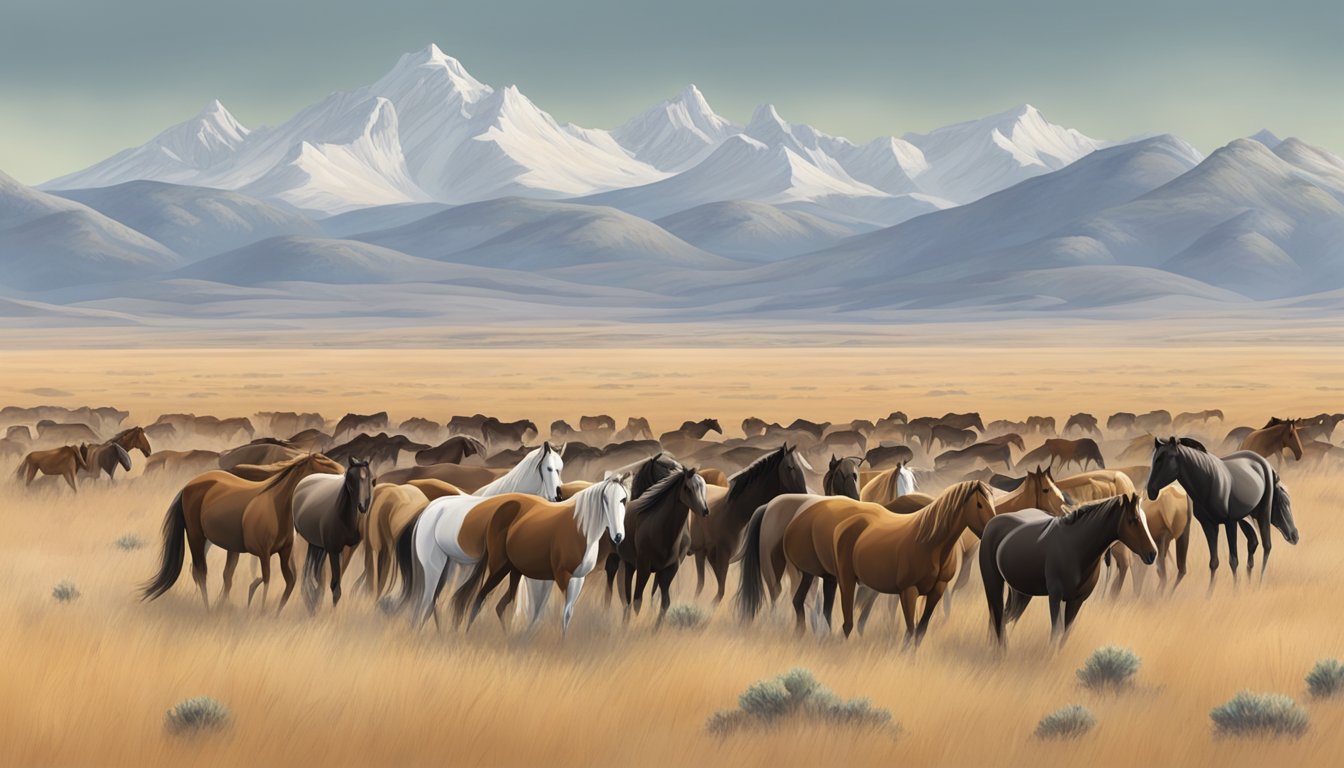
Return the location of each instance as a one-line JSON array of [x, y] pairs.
[[394, 510], [1274, 438], [450, 451], [239, 516], [950, 436], [1065, 452], [908, 555], [987, 452], [195, 461], [64, 461], [1168, 521], [354, 422], [469, 479], [529, 537], [1083, 422]]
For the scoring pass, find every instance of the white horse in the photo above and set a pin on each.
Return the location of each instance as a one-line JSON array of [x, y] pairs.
[[435, 550]]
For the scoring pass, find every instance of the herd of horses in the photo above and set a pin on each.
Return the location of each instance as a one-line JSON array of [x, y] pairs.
[[484, 509]]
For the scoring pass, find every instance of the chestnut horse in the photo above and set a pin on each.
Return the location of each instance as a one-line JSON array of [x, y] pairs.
[[1066, 452], [908, 555], [64, 461], [239, 516], [1273, 439], [543, 541]]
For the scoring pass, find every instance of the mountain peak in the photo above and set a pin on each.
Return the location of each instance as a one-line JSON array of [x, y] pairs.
[[1266, 137], [415, 66]]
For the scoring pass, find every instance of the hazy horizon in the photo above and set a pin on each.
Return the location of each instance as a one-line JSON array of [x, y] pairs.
[[77, 92]]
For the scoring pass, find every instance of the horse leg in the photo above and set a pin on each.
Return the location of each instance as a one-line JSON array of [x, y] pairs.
[[1232, 560], [264, 579], [720, 565], [572, 590], [828, 584], [230, 564], [699, 573], [637, 599], [1251, 544], [627, 589], [1070, 613], [1183, 548], [286, 572], [663, 581], [198, 570], [1163, 547], [538, 593], [613, 567], [1211, 534], [909, 601], [963, 578], [930, 602], [335, 558], [312, 576], [1121, 560], [493, 580], [993, 582], [1262, 519], [1056, 619], [867, 599], [507, 600], [70, 479], [800, 597], [434, 567]]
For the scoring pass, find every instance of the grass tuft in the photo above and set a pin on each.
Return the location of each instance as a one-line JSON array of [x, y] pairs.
[[1260, 714], [796, 694], [1067, 723]]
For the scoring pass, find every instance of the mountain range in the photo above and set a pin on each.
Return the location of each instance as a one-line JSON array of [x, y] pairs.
[[429, 196]]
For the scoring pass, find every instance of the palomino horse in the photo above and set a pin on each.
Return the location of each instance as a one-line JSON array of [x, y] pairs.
[[1274, 438], [908, 555], [656, 540], [1168, 521], [392, 510], [327, 512], [1035, 553], [716, 538], [1065, 452], [448, 534], [239, 516], [1224, 491], [64, 461], [889, 485], [543, 541]]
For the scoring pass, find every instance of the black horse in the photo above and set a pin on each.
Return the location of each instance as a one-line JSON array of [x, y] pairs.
[[656, 540], [1224, 492]]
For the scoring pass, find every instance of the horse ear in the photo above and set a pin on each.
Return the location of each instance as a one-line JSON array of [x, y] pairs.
[[834, 461]]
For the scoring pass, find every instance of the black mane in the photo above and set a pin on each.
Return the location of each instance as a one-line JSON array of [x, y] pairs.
[[768, 462], [657, 493]]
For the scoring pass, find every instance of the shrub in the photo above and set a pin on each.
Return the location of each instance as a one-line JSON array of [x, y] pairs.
[[1067, 723], [1326, 678], [130, 542], [684, 616], [797, 694], [1109, 666], [196, 715], [65, 592], [1260, 714]]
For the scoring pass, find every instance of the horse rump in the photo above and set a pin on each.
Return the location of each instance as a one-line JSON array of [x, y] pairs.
[[174, 550]]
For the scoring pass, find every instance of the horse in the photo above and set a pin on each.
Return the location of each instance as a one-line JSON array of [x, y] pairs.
[[239, 516], [354, 422], [469, 479], [908, 555], [1224, 491], [450, 451], [289, 422], [715, 538], [1121, 421], [448, 534], [496, 434], [1191, 418], [989, 453], [328, 514], [1008, 438], [50, 431], [1153, 421], [1274, 438], [889, 484], [1044, 425], [1066, 452], [636, 428], [264, 451], [133, 439], [1035, 553], [1168, 521], [393, 509], [1083, 422], [311, 440], [543, 541], [105, 457], [64, 461], [194, 461], [379, 449], [886, 456], [656, 540], [600, 423], [1319, 426], [418, 425], [692, 430], [950, 436]]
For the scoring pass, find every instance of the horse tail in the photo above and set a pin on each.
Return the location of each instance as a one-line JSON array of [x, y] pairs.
[[495, 532], [406, 570], [312, 575], [174, 550], [846, 536], [749, 594]]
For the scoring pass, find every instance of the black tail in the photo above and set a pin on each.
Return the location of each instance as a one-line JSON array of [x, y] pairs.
[[312, 575], [1017, 605], [464, 594], [405, 563], [753, 584], [174, 550]]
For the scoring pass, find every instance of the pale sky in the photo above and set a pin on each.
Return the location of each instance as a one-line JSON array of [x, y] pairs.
[[81, 79]]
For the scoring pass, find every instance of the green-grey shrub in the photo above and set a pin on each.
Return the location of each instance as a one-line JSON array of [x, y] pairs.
[[130, 542], [684, 616], [1109, 666], [195, 715], [797, 693], [1067, 723], [766, 699], [1326, 678], [65, 592], [1260, 714]]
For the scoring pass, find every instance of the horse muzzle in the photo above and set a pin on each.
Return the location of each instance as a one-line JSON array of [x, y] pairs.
[[618, 538]]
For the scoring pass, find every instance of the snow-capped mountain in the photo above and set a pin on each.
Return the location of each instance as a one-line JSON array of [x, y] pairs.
[[427, 131]]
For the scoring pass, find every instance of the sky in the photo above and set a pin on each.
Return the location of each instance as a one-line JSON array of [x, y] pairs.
[[82, 79]]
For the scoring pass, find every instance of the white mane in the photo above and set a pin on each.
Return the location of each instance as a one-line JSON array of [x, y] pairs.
[[591, 504], [524, 478], [905, 481]]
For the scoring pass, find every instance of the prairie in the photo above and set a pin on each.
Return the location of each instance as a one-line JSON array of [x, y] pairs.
[[88, 681]]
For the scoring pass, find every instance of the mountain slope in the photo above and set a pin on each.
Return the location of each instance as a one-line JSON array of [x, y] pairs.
[[753, 231], [675, 134]]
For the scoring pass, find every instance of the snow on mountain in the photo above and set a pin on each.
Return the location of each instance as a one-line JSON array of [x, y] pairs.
[[967, 161], [193, 221], [1322, 165], [50, 242], [1266, 137], [178, 154], [675, 134]]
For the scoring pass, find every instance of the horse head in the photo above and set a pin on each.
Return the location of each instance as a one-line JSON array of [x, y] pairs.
[[1045, 495], [359, 483], [842, 477], [1132, 529], [693, 492]]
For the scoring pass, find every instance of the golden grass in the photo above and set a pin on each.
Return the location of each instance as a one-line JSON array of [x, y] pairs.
[[88, 682]]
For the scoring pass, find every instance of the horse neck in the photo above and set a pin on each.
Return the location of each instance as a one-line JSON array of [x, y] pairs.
[[1197, 472], [283, 492], [347, 506], [949, 533], [1016, 501], [669, 517], [1091, 538], [752, 496]]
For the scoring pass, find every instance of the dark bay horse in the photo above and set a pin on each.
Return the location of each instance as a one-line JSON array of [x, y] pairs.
[[716, 538], [1064, 452], [1037, 554], [656, 540], [1224, 492], [327, 514]]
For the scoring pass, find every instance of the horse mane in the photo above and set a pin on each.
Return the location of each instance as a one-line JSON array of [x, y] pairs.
[[770, 461], [286, 469], [516, 479], [656, 494], [1190, 442], [588, 506], [939, 516], [125, 432], [645, 477], [1091, 509]]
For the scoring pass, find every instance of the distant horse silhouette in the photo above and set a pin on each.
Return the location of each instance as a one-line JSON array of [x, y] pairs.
[[1064, 452], [354, 422], [1192, 418], [450, 451], [989, 453], [1083, 422], [1034, 553], [1121, 421]]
